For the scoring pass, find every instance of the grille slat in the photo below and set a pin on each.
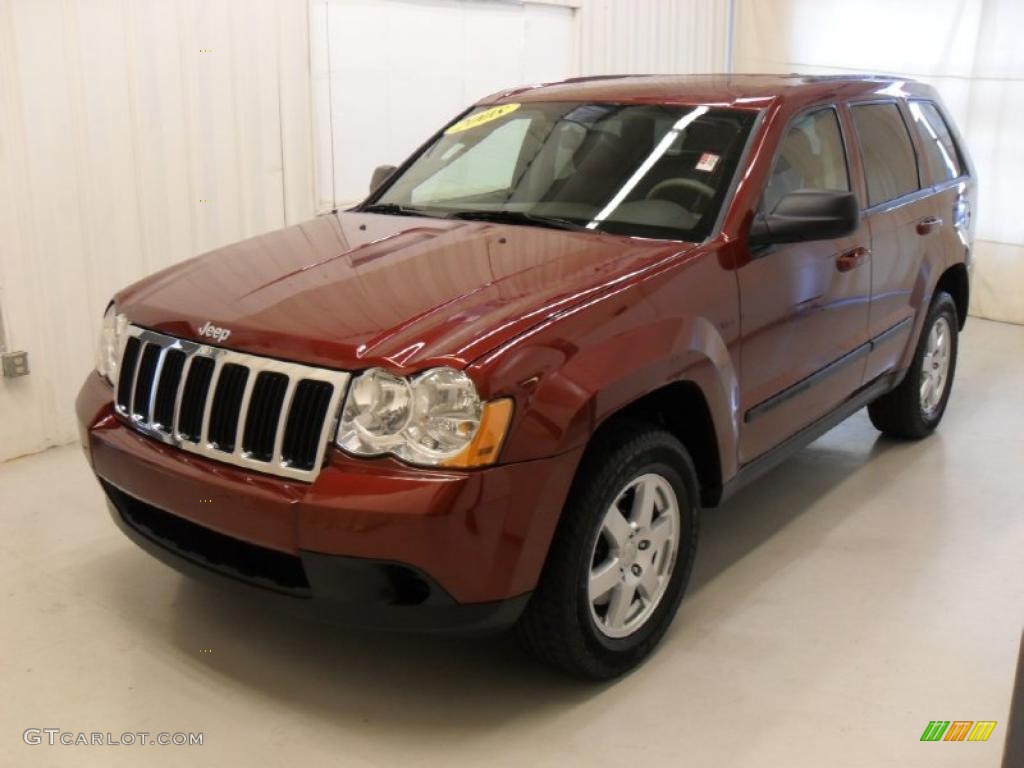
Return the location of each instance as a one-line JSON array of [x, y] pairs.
[[255, 412], [144, 381], [305, 422], [226, 409], [264, 411], [218, 366], [193, 400], [126, 377], [167, 389], [282, 420]]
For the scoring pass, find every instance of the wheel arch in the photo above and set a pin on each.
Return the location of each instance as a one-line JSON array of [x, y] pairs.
[[682, 410], [956, 282]]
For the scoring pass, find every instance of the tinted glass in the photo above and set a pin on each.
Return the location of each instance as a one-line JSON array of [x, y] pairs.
[[647, 170], [940, 151], [485, 168], [811, 157], [889, 162]]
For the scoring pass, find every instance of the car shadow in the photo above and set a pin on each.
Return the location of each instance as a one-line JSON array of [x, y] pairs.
[[364, 678], [462, 686], [761, 510]]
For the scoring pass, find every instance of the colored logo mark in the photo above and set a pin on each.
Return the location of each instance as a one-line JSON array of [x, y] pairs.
[[958, 730]]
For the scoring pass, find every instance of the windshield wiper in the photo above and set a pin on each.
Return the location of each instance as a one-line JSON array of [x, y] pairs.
[[393, 209], [519, 217]]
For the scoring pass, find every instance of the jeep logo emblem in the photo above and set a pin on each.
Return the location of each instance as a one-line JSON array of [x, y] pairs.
[[213, 332]]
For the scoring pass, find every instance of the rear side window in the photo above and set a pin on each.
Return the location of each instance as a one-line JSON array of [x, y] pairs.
[[940, 152], [889, 161], [811, 157]]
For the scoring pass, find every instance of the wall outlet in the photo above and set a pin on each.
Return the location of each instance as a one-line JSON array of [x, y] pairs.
[[14, 364]]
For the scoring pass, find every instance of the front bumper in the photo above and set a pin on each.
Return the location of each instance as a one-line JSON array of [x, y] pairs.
[[372, 543]]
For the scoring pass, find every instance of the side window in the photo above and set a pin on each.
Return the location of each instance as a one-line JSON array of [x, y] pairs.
[[940, 151], [811, 157], [889, 161]]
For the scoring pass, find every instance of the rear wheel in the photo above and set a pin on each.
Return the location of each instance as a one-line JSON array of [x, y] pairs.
[[914, 409], [621, 556]]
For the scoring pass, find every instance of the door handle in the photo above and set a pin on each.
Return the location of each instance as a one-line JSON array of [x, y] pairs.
[[927, 224], [852, 258]]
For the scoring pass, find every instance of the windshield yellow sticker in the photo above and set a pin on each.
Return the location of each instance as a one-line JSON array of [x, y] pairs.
[[480, 118]]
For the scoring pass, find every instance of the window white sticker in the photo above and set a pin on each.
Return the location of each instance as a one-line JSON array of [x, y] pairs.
[[707, 162]]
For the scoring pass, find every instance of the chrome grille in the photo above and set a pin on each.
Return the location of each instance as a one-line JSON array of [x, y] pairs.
[[255, 412]]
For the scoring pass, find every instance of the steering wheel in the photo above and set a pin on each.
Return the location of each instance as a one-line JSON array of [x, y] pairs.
[[680, 182]]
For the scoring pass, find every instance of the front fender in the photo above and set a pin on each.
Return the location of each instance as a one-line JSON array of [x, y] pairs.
[[572, 373]]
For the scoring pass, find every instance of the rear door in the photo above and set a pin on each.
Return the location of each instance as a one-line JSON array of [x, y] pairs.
[[804, 305], [945, 166], [902, 221]]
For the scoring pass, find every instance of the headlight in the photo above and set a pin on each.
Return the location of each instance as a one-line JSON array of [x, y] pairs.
[[109, 346], [435, 418]]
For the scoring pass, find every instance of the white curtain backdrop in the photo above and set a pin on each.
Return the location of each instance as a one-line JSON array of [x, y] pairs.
[[132, 136], [653, 36], [971, 50]]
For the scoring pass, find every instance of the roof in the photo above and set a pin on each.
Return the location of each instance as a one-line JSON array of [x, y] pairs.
[[751, 90]]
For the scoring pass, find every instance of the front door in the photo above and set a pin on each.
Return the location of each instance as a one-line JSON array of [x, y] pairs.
[[804, 306]]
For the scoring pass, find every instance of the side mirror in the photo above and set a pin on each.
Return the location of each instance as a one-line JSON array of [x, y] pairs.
[[380, 175], [807, 214]]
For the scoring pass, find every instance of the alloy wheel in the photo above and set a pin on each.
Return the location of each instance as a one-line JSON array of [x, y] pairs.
[[935, 366], [633, 556]]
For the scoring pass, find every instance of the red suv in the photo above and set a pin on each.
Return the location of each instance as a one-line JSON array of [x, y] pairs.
[[501, 389]]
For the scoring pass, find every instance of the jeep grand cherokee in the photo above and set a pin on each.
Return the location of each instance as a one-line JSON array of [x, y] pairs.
[[500, 390]]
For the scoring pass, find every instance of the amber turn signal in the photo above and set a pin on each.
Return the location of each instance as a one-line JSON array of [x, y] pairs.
[[486, 445]]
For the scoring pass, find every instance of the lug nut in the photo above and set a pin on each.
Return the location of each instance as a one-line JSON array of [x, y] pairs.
[[644, 544], [637, 570]]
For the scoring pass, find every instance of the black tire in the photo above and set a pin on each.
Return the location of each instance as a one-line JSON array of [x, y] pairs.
[[558, 626], [901, 413]]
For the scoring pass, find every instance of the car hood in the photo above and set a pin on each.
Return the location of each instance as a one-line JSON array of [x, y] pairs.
[[352, 290]]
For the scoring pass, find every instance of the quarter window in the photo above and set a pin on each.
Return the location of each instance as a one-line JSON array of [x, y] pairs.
[[811, 157], [889, 161], [940, 151]]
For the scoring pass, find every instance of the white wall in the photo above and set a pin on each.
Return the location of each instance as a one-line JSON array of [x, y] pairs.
[[124, 147], [969, 49]]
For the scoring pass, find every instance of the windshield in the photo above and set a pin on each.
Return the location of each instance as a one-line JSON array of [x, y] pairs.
[[644, 170]]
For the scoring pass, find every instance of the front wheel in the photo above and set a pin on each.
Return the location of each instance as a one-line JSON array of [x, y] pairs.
[[913, 410], [621, 557]]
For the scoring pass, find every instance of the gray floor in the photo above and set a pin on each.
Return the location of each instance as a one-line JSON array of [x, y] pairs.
[[861, 590]]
